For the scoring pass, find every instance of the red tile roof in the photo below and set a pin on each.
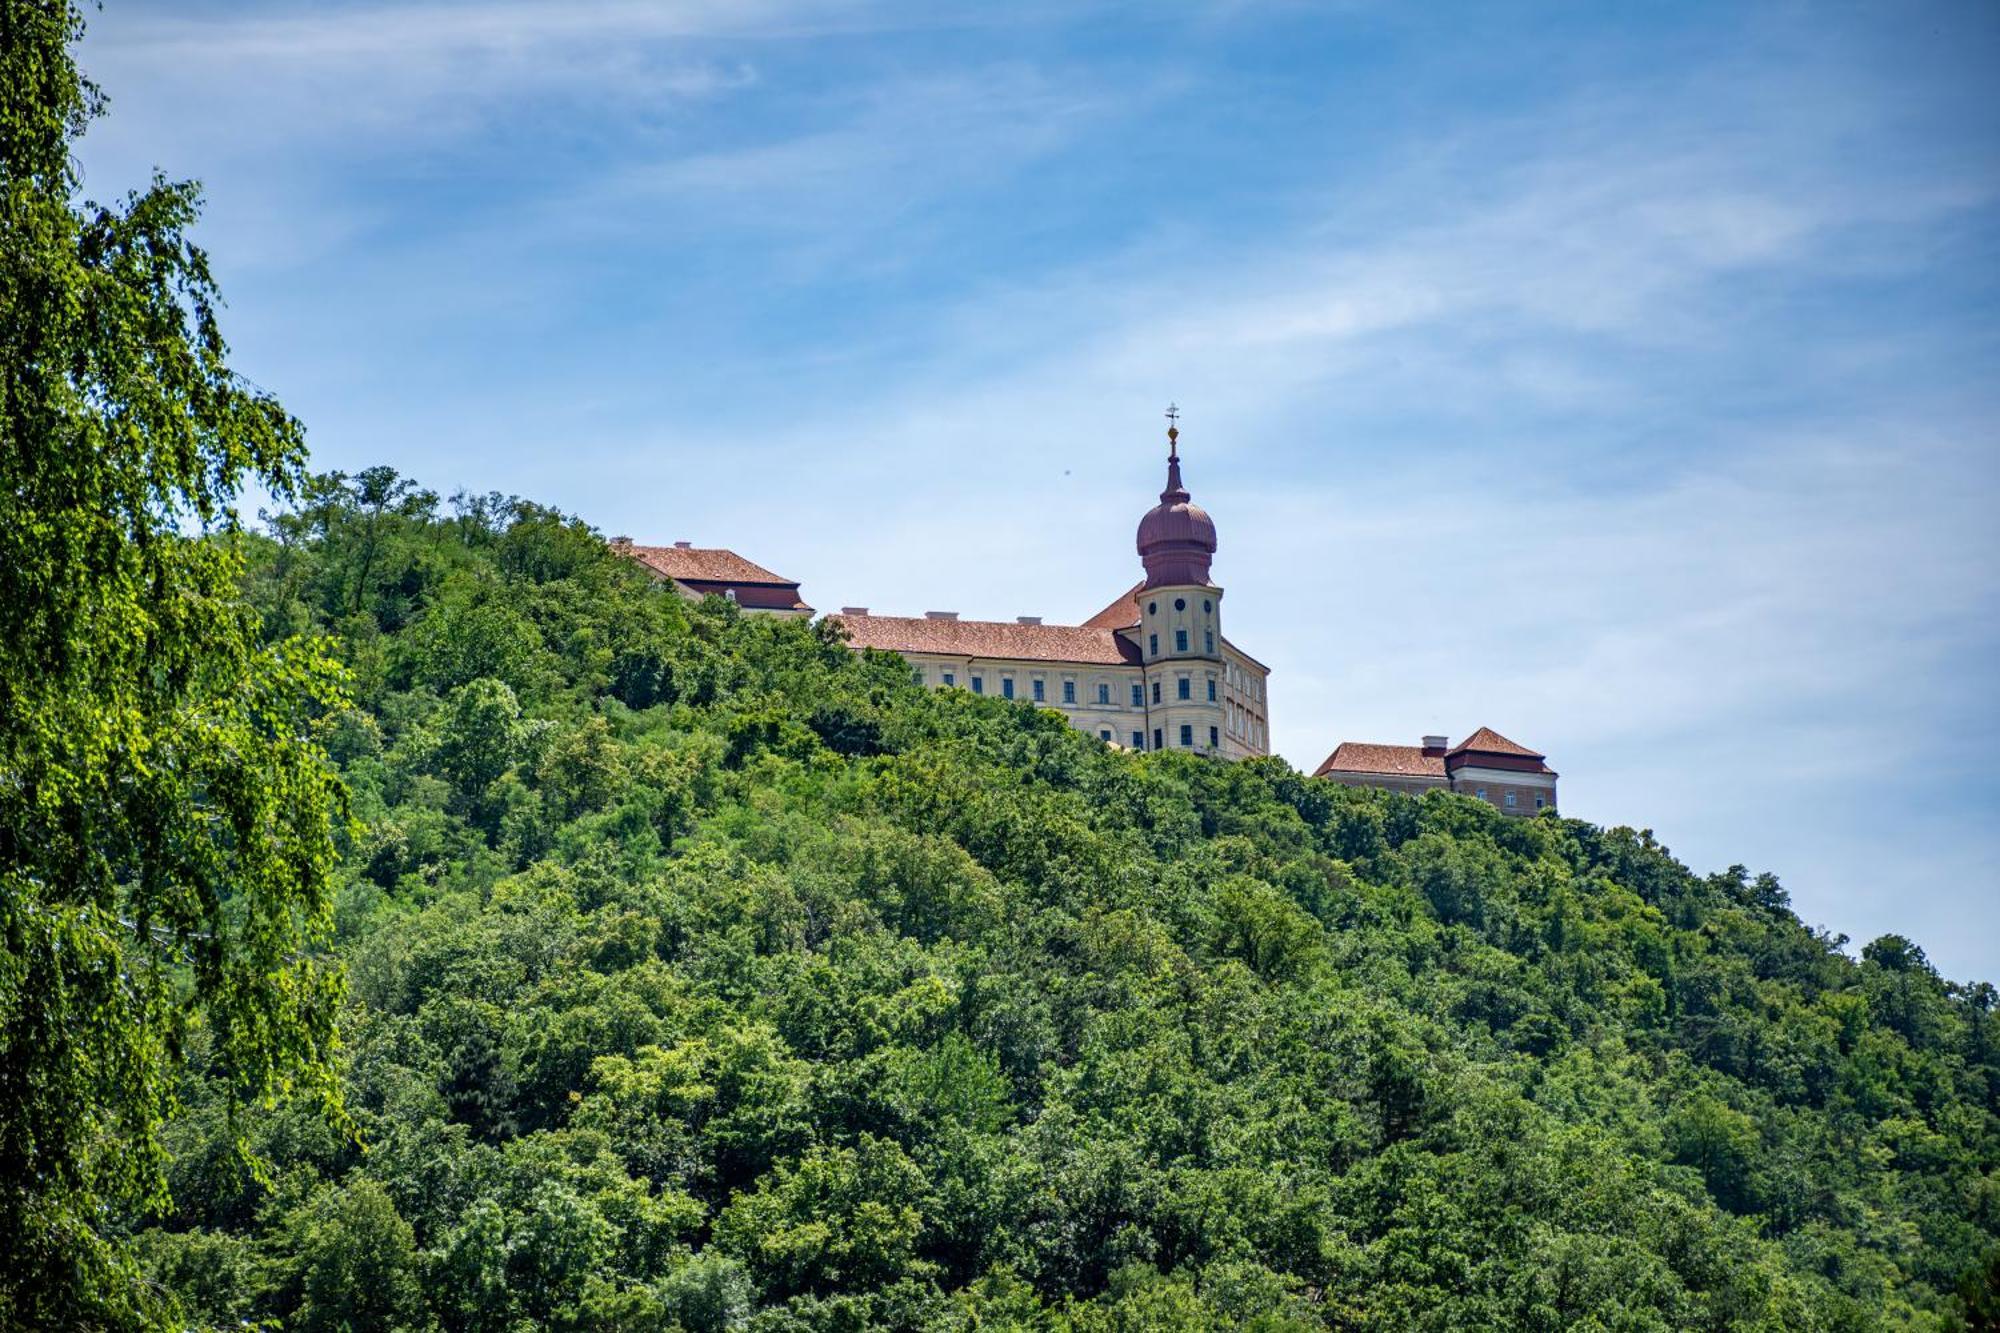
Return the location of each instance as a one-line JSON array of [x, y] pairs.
[[697, 564], [1403, 761], [1090, 644], [1488, 741], [1123, 613]]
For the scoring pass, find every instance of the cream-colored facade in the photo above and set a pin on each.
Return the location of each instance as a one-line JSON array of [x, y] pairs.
[[1152, 671], [1485, 765], [1194, 699]]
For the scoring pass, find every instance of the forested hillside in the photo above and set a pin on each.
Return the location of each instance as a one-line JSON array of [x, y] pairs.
[[703, 974]]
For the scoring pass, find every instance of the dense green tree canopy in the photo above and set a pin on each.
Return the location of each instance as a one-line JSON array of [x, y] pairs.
[[705, 975], [166, 816]]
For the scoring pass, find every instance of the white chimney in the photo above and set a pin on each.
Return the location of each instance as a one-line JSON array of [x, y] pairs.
[[940, 615], [1437, 742], [1027, 620]]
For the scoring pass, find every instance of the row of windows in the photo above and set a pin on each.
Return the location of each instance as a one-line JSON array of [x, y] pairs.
[[1183, 688], [1512, 799], [1247, 681], [1181, 642], [1159, 737]]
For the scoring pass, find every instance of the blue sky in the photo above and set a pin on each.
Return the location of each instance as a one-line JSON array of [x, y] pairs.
[[1622, 377]]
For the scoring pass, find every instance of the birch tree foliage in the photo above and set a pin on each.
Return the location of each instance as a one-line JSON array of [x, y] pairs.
[[167, 819]]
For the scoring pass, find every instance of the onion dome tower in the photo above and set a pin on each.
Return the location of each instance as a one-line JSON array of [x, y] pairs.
[[1179, 634], [1176, 537]]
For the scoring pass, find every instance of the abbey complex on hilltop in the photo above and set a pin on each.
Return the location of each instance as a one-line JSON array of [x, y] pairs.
[[1151, 671]]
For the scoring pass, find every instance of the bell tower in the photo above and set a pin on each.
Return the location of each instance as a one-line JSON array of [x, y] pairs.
[[1180, 617]]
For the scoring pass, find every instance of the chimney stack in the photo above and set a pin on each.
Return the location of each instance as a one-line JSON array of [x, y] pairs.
[[1435, 746], [854, 610], [1027, 620], [683, 546], [940, 615]]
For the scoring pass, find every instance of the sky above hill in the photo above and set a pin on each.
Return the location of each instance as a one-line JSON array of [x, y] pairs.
[[1621, 377]]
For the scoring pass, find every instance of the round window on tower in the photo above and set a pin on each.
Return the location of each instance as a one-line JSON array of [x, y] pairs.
[[1180, 603], [1205, 607], [1152, 608]]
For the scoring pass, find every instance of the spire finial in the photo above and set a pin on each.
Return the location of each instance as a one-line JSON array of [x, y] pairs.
[[1173, 432]]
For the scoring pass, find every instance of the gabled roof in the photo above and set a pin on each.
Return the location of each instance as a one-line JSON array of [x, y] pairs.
[[1123, 613], [714, 564], [1089, 644], [1401, 761], [1488, 741]]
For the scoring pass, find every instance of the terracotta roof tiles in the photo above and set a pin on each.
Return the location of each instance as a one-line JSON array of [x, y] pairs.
[[1488, 741], [696, 564], [1403, 761], [1123, 613], [990, 638]]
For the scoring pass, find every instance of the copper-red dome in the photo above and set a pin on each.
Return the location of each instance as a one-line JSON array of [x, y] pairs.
[[1176, 537]]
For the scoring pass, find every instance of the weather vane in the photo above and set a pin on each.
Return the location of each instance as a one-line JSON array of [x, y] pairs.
[[1173, 428]]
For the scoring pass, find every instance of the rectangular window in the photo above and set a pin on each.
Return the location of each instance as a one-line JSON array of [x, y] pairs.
[[1211, 689], [1512, 800], [1104, 694], [1152, 645], [1184, 688], [1480, 793], [1541, 802], [1138, 695], [1104, 733], [1006, 687], [1208, 639], [1187, 735], [979, 684], [1069, 691], [1040, 690], [1156, 695], [1213, 739], [1180, 640], [1138, 740], [1157, 742], [949, 679]]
